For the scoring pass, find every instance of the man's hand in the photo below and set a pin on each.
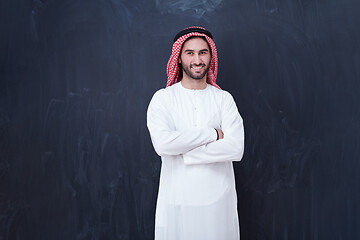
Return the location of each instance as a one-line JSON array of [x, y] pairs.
[[220, 134]]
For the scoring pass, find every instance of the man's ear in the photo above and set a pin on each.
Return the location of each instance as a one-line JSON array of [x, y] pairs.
[[179, 59]]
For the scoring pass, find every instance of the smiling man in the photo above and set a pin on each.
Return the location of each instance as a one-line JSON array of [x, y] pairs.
[[197, 130]]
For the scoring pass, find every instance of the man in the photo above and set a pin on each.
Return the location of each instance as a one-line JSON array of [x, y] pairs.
[[196, 129]]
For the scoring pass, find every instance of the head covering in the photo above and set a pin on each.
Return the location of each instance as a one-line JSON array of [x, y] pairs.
[[173, 69]]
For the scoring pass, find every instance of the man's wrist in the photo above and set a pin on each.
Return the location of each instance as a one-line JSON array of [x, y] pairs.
[[217, 134]]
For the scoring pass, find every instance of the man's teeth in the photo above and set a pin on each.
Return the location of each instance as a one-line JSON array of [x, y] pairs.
[[197, 68]]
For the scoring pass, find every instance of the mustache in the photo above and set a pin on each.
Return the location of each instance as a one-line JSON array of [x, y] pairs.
[[197, 65]]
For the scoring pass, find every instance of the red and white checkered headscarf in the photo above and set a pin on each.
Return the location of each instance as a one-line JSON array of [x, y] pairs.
[[173, 69]]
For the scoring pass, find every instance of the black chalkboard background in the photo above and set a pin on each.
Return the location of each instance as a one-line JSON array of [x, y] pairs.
[[76, 161]]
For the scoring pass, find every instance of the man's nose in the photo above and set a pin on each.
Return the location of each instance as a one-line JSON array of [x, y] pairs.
[[197, 59]]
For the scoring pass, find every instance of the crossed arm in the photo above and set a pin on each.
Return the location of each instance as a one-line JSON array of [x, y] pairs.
[[197, 146]]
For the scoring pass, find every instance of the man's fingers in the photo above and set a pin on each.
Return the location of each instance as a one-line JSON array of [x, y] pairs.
[[220, 133]]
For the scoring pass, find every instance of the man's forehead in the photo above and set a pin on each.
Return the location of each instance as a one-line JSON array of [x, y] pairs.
[[196, 43]]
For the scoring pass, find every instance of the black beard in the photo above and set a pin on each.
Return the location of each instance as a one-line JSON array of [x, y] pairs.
[[187, 72]]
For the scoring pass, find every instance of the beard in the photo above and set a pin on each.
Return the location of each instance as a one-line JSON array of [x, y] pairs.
[[195, 76]]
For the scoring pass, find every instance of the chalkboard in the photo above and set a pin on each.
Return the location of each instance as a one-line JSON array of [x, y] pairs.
[[76, 77]]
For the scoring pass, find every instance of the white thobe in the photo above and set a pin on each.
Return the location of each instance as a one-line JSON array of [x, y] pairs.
[[197, 197]]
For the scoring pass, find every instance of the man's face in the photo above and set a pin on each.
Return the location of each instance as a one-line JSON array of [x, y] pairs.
[[195, 58]]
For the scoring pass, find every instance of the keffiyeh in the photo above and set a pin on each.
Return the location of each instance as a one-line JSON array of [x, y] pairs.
[[173, 69]]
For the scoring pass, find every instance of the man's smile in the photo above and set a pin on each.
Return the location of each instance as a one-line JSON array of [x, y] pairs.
[[197, 68]]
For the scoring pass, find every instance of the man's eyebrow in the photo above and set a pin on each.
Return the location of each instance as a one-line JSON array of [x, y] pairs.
[[202, 50]]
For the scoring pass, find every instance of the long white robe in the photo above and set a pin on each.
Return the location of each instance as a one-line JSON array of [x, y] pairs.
[[197, 197]]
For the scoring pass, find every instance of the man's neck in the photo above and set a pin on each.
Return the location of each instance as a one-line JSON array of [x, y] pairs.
[[195, 84]]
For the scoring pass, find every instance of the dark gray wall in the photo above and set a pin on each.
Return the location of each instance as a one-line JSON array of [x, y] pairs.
[[76, 161]]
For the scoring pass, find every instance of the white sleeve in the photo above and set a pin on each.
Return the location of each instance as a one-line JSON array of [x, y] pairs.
[[168, 141], [231, 147]]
